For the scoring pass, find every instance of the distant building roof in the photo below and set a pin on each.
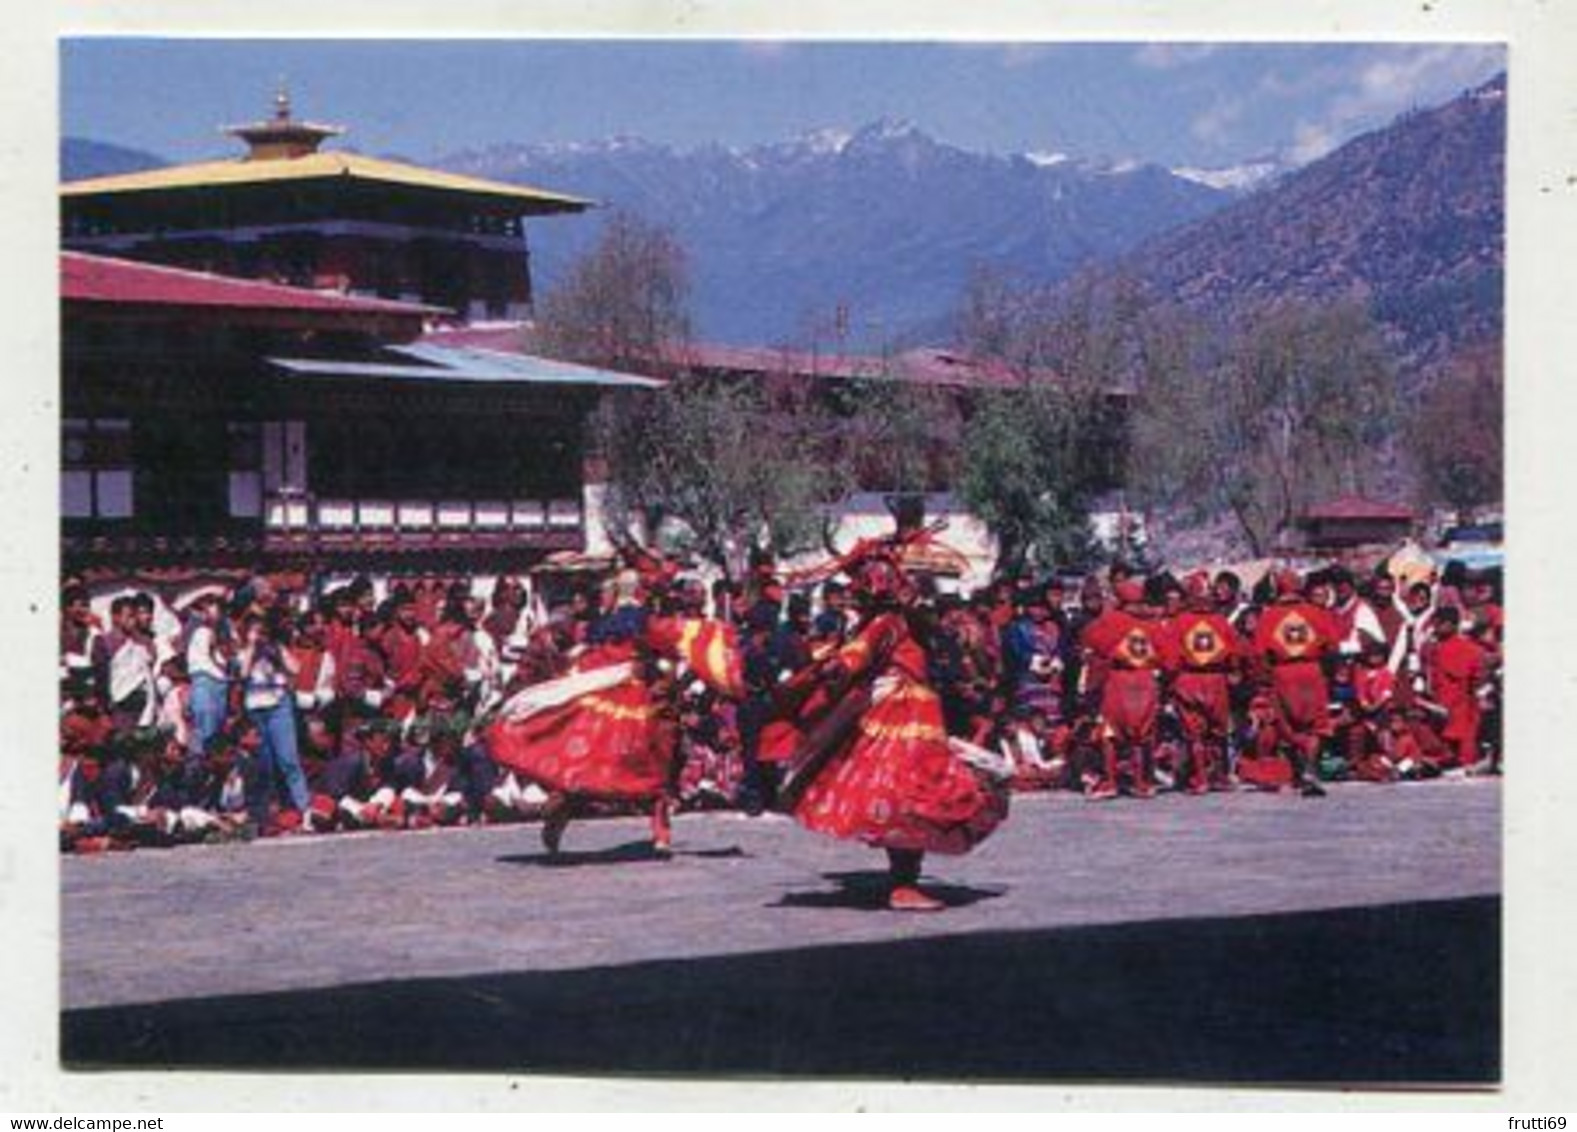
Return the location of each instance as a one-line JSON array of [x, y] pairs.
[[1357, 507], [927, 365], [101, 279], [922, 366], [427, 362], [322, 166]]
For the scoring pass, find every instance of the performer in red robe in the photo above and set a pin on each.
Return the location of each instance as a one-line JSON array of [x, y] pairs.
[[600, 730], [873, 761], [1206, 650], [1292, 637], [1457, 668], [1134, 650]]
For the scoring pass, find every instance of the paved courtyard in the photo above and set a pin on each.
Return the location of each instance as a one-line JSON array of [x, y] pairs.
[[1232, 937]]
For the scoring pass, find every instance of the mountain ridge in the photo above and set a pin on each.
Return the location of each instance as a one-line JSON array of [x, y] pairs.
[[1409, 218]]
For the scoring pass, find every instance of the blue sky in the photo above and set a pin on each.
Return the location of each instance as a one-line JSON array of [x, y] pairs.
[[1178, 104]]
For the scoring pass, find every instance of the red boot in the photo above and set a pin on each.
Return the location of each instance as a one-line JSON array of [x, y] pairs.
[[908, 898]]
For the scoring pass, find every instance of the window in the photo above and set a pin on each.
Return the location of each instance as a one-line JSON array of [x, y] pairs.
[[444, 458], [96, 471], [246, 469]]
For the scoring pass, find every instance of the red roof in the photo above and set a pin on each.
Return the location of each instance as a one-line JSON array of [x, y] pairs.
[[100, 279], [925, 366], [922, 366], [1357, 507]]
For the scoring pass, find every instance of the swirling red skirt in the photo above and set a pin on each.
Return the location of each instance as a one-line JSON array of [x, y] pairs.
[[605, 743], [899, 785]]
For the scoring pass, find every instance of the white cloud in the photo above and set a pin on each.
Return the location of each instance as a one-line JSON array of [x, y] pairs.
[[1165, 56], [1310, 142], [1214, 124], [1383, 82]]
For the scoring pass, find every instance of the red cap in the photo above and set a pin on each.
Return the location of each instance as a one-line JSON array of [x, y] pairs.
[[1288, 582]]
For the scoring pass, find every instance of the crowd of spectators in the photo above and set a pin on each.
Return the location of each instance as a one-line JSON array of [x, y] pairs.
[[274, 708]]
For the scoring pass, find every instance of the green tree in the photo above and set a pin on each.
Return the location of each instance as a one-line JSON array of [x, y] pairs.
[[710, 464], [1038, 448], [1027, 472]]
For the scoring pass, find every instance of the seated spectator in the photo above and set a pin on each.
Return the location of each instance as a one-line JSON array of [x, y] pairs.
[[445, 781], [1030, 746]]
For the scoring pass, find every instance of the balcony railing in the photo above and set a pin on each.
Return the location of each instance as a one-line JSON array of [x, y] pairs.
[[341, 523]]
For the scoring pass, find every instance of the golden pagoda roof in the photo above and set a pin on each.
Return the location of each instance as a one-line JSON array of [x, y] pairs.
[[320, 166]]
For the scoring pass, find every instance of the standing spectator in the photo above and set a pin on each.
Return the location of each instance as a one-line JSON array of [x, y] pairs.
[[208, 667], [79, 628], [1032, 652], [123, 666], [267, 672], [1416, 612], [1355, 618], [1382, 599]]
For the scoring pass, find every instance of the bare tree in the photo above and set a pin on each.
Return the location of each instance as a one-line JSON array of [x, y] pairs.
[[1263, 420], [1456, 442], [624, 303]]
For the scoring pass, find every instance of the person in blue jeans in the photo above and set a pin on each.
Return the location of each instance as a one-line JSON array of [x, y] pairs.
[[208, 665], [267, 672]]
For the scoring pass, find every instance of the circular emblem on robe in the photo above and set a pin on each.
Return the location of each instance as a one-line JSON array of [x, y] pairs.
[[577, 747], [1295, 634], [1136, 647], [1204, 645]]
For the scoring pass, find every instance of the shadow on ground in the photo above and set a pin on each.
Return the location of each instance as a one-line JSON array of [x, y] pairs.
[[1398, 994], [868, 891], [615, 855]]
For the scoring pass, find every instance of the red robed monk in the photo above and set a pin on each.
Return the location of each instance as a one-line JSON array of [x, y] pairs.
[[1292, 638], [1207, 653], [1133, 647]]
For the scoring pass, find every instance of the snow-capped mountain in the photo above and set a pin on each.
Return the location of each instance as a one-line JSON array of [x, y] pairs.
[[883, 221]]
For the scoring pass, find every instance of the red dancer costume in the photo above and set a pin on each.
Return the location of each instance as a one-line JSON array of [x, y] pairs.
[[1457, 668], [601, 731], [1133, 650], [1292, 637], [872, 760], [1207, 650]]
